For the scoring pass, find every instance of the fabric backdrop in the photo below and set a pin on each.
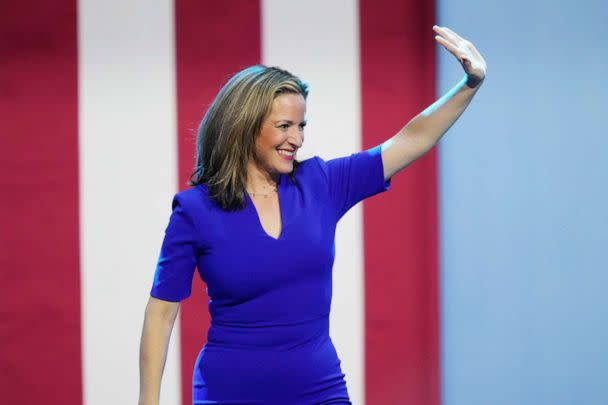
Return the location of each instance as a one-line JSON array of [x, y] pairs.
[[478, 278], [105, 98]]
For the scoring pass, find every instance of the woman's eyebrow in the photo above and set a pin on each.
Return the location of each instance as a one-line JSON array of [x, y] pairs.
[[288, 121]]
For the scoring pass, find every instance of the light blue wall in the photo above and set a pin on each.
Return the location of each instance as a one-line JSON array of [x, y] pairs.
[[524, 202]]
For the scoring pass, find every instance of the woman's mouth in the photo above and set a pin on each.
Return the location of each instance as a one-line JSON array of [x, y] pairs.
[[286, 154]]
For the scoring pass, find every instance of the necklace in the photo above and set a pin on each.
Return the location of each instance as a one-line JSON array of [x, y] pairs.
[[261, 194]]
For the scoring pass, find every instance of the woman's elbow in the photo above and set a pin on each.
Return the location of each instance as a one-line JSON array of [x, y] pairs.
[[161, 309]]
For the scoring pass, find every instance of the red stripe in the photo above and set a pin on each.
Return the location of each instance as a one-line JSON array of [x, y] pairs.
[[213, 41], [39, 233], [401, 249]]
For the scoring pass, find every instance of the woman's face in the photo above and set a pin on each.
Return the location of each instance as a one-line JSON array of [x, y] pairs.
[[282, 134]]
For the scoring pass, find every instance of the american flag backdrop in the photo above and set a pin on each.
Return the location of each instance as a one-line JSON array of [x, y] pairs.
[[109, 97], [100, 102]]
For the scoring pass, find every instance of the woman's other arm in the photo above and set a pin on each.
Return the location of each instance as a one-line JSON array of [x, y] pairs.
[[158, 323], [420, 134]]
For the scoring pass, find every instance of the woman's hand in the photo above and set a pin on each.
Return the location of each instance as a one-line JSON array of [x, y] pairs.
[[471, 60]]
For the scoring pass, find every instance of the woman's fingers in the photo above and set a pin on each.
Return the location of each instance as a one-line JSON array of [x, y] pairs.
[[455, 35], [447, 44], [466, 53], [450, 41], [447, 34]]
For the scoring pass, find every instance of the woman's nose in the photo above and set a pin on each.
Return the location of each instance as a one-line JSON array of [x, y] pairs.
[[297, 139]]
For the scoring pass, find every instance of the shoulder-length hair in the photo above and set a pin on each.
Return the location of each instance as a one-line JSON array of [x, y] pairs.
[[226, 136]]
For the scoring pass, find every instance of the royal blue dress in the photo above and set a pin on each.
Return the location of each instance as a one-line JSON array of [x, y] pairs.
[[268, 342]]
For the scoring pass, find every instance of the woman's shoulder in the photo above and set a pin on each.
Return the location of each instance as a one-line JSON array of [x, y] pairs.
[[196, 204], [192, 193], [193, 198], [312, 165], [314, 169]]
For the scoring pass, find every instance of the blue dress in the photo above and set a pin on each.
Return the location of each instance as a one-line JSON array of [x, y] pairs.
[[268, 342]]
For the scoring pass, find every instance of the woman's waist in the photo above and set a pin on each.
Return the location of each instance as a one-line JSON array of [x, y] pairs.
[[278, 335]]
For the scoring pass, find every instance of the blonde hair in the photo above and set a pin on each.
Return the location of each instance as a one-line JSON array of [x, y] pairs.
[[226, 136]]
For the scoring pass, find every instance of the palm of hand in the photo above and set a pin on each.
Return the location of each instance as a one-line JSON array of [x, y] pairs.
[[471, 60]]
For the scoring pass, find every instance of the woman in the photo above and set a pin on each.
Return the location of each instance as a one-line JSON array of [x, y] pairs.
[[259, 226]]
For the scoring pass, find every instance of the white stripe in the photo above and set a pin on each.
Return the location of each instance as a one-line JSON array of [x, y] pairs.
[[128, 165], [319, 42]]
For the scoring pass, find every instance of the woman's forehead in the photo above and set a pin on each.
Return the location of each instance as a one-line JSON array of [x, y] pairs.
[[288, 104]]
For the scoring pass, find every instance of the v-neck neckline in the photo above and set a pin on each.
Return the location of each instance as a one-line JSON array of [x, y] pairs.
[[281, 211]]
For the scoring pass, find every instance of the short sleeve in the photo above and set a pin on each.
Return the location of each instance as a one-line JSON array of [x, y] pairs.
[[177, 260], [355, 177]]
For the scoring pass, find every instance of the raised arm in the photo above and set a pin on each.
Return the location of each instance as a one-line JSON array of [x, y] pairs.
[[423, 131]]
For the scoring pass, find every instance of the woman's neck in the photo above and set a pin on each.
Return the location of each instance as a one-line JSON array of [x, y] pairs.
[[260, 181]]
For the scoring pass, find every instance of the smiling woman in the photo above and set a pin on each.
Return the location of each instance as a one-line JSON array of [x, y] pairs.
[[264, 245], [262, 238], [238, 142], [274, 154], [276, 145]]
